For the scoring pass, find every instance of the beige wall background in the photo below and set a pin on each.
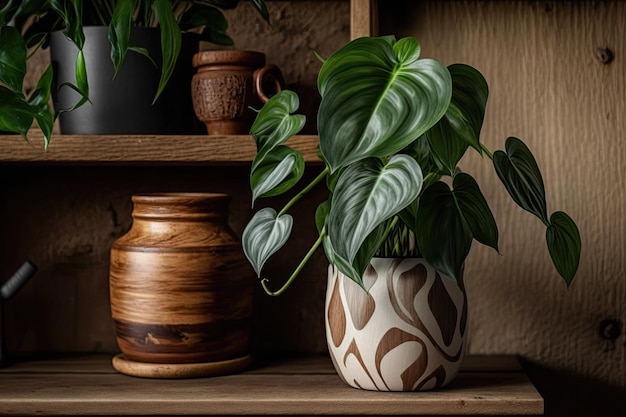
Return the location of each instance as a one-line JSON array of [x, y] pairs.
[[548, 87]]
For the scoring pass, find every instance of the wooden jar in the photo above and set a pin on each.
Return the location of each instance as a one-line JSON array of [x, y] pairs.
[[181, 290], [227, 84]]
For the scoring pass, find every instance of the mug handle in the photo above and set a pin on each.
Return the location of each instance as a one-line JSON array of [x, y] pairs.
[[271, 72]]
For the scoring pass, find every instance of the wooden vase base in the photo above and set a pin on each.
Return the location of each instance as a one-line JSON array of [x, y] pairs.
[[182, 370]]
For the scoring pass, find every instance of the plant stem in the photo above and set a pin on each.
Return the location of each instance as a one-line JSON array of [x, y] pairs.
[[305, 190], [428, 177], [486, 150], [383, 239], [293, 276], [316, 245]]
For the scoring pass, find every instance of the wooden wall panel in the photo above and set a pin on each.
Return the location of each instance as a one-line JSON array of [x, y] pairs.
[[363, 18], [549, 87]]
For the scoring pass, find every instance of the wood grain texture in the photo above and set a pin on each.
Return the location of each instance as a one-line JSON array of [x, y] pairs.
[[141, 149], [363, 18], [306, 387], [551, 87], [181, 290], [180, 370]]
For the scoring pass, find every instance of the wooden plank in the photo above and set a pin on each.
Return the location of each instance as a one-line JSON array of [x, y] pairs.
[[73, 387], [363, 18], [131, 149]]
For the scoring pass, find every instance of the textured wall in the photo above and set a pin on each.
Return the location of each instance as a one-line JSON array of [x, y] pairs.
[[297, 29], [549, 86]]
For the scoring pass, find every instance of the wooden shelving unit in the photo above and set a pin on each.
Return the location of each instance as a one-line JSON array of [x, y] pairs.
[[141, 149], [88, 385]]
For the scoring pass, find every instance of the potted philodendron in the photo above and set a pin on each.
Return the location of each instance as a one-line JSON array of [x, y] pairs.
[[400, 217], [155, 29]]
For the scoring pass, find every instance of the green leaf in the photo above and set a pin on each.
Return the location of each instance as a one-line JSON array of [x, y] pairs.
[[260, 6], [448, 220], [142, 51], [408, 215], [473, 207], [12, 59], [279, 171], [461, 125], [81, 86], [264, 235], [518, 171], [368, 249], [211, 19], [320, 215], [39, 101], [119, 31], [37, 31], [377, 98], [367, 194], [400, 240], [469, 101], [447, 147], [564, 245], [28, 8], [16, 115], [442, 233], [171, 41], [421, 151], [275, 124], [72, 19], [341, 263]]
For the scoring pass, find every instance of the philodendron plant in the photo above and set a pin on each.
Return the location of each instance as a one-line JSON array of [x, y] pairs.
[[392, 129]]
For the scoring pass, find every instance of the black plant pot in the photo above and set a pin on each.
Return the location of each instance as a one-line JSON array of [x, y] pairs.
[[123, 105]]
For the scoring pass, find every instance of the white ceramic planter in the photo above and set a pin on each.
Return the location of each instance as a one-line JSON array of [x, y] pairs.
[[407, 333]]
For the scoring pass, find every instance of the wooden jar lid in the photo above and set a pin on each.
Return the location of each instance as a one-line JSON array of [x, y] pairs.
[[182, 370]]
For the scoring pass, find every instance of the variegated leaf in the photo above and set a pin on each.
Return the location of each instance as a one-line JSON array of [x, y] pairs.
[[368, 193], [265, 234], [281, 169], [377, 98]]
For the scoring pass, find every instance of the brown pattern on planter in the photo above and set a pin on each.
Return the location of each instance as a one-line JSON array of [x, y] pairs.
[[440, 376], [391, 340], [443, 309], [336, 315], [463, 322], [409, 285], [353, 349], [360, 304]]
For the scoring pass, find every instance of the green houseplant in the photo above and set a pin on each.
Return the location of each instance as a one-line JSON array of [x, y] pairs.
[[28, 24], [392, 129]]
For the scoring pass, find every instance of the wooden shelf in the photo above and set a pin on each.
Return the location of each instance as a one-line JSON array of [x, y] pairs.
[[140, 149], [89, 385]]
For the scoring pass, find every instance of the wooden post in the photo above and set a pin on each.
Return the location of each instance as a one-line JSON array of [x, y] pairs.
[[363, 18]]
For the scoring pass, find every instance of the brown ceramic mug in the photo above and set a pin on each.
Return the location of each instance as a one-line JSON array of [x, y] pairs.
[[227, 83]]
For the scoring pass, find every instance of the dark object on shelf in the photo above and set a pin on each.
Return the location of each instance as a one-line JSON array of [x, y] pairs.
[[7, 291], [122, 103]]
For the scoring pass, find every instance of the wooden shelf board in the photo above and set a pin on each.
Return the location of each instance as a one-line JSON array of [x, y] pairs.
[[88, 385], [141, 149]]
